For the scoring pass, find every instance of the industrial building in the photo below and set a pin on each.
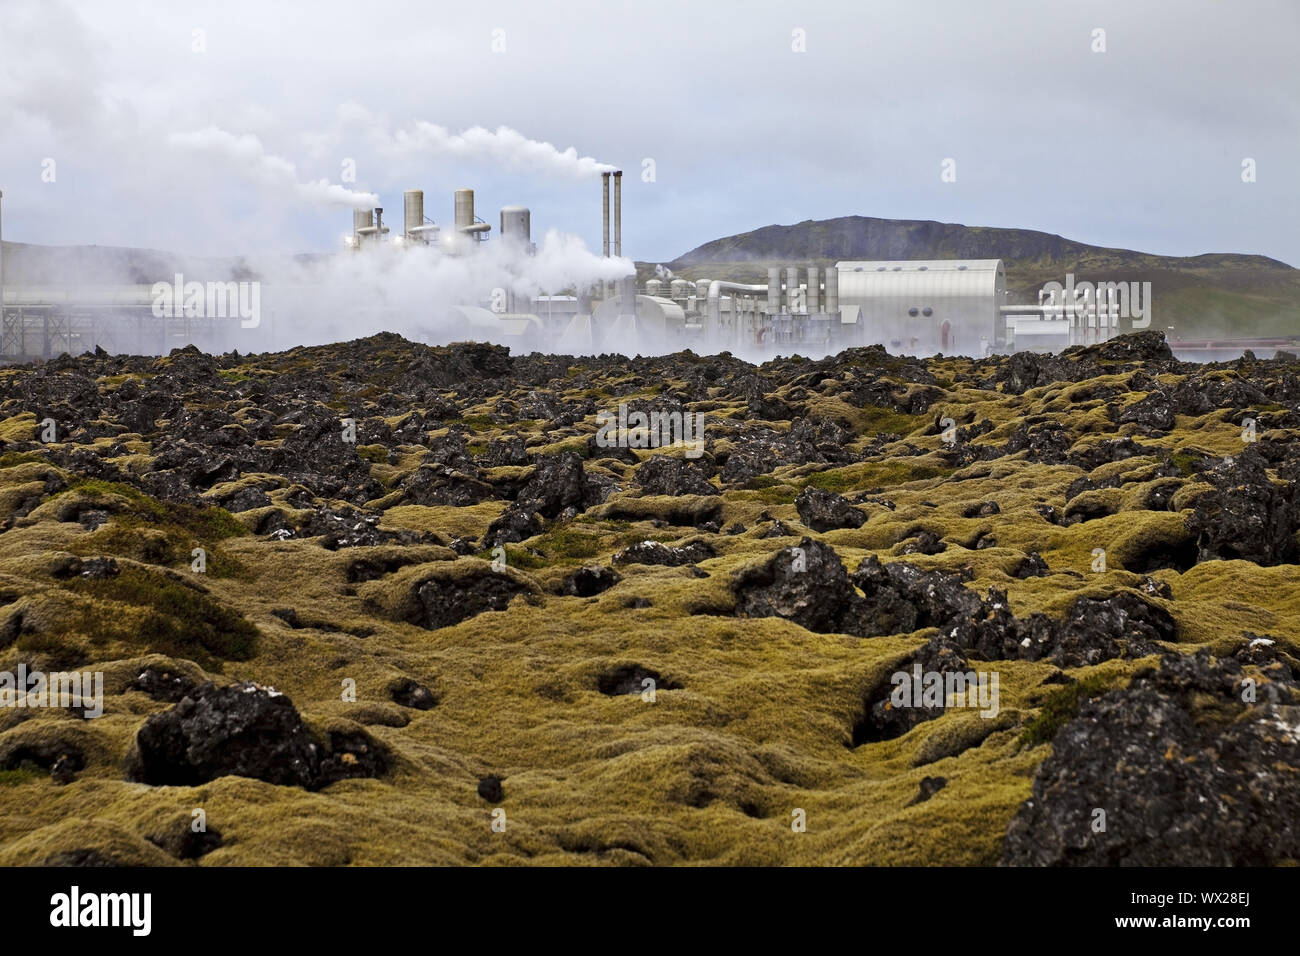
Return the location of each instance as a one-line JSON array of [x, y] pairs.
[[910, 307]]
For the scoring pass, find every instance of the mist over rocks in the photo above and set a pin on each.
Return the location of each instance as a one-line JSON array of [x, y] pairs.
[[430, 553]]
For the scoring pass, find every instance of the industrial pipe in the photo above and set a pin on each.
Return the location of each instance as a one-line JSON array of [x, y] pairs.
[[715, 299], [604, 215], [618, 212]]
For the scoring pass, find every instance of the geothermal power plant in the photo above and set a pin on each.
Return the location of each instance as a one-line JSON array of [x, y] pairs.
[[911, 307]]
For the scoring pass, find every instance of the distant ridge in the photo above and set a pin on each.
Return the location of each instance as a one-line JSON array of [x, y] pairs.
[[866, 237], [1214, 293]]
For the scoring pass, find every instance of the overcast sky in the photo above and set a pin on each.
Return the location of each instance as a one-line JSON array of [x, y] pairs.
[[235, 138]]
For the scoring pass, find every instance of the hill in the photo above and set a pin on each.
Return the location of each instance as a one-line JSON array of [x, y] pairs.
[[1203, 295]]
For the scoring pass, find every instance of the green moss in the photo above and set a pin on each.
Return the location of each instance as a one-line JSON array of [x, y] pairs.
[[875, 474], [1184, 461], [516, 557], [172, 618], [875, 420], [207, 522], [19, 775], [11, 458], [155, 542], [777, 495], [475, 423], [1062, 706], [578, 445], [569, 543]]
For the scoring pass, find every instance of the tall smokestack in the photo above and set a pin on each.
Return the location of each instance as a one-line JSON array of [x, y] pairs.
[[363, 225], [618, 212], [463, 209], [413, 212], [604, 214]]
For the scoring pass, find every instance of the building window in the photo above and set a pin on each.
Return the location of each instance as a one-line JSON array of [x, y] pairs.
[[927, 311], [912, 311]]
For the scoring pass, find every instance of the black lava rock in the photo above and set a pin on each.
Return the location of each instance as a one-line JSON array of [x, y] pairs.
[[826, 511], [1185, 772], [244, 730]]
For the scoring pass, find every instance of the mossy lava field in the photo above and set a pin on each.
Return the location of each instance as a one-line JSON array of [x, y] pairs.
[[381, 603]]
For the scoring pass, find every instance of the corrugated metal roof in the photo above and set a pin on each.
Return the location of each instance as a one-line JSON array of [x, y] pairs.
[[929, 279], [920, 265]]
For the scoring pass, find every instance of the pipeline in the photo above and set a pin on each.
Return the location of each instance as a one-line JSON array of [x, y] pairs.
[[714, 298]]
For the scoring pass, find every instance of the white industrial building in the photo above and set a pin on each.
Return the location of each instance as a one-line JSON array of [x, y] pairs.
[[916, 307], [920, 307]]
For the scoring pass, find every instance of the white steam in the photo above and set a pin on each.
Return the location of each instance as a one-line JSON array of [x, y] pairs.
[[412, 290], [504, 146], [249, 157]]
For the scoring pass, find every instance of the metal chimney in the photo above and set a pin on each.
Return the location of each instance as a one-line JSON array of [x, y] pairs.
[[618, 212], [363, 224], [516, 225], [832, 289], [604, 214], [464, 209], [814, 293], [773, 290], [792, 289], [413, 203]]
